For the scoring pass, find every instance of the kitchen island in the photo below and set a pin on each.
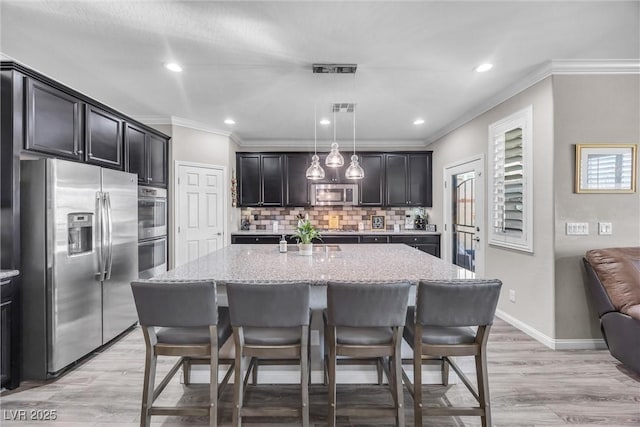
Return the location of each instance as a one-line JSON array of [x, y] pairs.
[[344, 263]]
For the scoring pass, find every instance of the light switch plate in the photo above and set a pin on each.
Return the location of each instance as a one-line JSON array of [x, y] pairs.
[[605, 228], [577, 228]]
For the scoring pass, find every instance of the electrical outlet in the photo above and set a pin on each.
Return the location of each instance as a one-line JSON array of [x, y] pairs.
[[605, 228], [512, 295], [577, 228]]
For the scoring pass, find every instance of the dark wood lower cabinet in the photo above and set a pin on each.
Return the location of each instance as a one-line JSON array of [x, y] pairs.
[[426, 243], [429, 244], [9, 335]]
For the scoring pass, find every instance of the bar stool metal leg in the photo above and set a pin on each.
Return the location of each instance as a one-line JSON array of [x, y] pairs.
[[331, 340], [149, 384]]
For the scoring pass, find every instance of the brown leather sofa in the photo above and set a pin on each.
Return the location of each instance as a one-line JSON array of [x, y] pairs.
[[614, 283]]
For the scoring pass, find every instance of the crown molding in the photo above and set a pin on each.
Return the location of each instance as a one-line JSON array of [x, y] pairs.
[[186, 123], [549, 68], [361, 145]]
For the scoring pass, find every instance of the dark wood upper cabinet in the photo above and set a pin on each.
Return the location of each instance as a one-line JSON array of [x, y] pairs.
[[157, 157], [396, 180], [272, 179], [260, 179], [419, 179], [103, 138], [146, 155], [249, 184], [135, 148], [54, 121], [296, 183], [372, 185], [408, 179]]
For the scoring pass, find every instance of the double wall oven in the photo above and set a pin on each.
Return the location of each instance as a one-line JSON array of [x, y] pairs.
[[152, 231]]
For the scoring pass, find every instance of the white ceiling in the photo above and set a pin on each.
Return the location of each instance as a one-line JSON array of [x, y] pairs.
[[252, 60]]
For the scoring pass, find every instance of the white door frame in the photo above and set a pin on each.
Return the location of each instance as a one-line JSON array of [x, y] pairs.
[[176, 198], [480, 210]]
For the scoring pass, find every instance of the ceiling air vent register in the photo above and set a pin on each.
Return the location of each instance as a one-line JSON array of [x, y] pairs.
[[335, 68]]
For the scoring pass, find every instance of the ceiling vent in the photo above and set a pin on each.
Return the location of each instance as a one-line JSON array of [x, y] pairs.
[[343, 107], [335, 68]]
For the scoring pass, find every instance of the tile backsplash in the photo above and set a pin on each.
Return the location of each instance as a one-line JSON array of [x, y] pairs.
[[325, 217]]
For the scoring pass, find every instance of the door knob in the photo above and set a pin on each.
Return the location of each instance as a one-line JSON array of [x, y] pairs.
[[476, 239]]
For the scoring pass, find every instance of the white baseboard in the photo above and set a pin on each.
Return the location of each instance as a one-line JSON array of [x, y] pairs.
[[552, 343]]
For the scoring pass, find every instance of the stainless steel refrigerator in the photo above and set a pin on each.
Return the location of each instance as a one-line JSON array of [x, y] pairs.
[[79, 236]]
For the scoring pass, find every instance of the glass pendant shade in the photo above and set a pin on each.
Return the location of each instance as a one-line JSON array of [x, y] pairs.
[[354, 171], [334, 158], [315, 171]]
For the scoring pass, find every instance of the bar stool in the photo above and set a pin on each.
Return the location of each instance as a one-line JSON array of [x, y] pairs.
[[269, 320], [365, 321], [439, 327], [190, 326]]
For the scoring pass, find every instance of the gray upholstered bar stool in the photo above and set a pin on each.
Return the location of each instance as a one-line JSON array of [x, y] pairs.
[[190, 326], [365, 321], [269, 320], [439, 327]]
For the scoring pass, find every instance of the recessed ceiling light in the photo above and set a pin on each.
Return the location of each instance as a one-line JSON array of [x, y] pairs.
[[325, 122], [483, 67], [418, 121], [172, 66], [230, 122]]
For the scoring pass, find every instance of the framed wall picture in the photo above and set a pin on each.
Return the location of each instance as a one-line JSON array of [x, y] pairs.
[[377, 222], [606, 168]]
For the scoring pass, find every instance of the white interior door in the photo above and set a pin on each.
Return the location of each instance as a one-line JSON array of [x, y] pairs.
[[464, 215], [199, 211]]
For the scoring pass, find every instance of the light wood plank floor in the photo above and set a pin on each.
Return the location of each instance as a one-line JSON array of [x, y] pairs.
[[530, 386]]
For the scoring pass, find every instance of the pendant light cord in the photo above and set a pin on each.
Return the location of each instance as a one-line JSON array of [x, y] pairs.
[[334, 125], [315, 129], [354, 115]]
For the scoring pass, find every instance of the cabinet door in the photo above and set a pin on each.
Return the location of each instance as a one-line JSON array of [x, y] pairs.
[[53, 121], [5, 338], [372, 185], [396, 179], [272, 179], [157, 166], [6, 333], [419, 179], [103, 138], [249, 179], [296, 182], [135, 143]]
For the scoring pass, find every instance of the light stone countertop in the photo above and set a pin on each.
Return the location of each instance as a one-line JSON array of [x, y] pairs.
[[7, 274], [354, 262], [336, 232]]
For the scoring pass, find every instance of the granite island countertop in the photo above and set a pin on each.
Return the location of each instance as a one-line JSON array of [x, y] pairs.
[[8, 274], [353, 262], [336, 232]]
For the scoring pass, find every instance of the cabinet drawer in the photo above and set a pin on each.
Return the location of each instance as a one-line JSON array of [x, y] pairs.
[[255, 239], [339, 239], [413, 239], [374, 239]]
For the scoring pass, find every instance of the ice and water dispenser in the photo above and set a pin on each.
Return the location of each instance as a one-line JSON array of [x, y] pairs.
[[80, 229]]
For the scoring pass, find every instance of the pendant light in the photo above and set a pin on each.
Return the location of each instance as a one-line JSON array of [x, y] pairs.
[[334, 158], [354, 171], [315, 171]]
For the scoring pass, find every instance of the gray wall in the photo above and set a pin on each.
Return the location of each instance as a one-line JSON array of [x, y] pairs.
[[589, 109], [530, 275]]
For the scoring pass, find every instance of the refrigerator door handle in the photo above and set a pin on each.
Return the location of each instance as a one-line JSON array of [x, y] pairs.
[[100, 228], [109, 263]]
